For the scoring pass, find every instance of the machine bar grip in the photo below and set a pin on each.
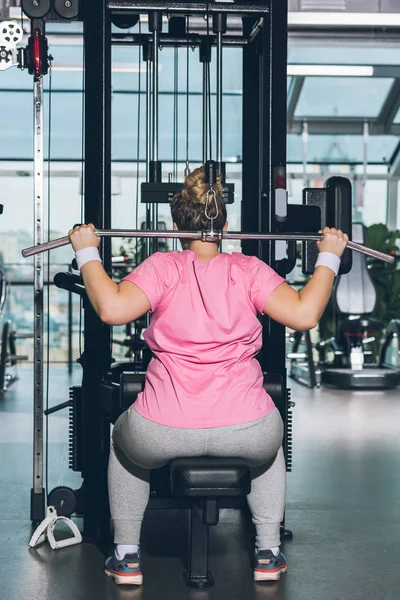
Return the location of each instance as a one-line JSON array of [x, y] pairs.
[[206, 236]]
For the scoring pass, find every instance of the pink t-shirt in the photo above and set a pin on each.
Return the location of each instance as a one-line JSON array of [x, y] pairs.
[[204, 335]]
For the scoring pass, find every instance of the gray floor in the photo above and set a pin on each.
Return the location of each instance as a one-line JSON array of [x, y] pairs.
[[343, 506]]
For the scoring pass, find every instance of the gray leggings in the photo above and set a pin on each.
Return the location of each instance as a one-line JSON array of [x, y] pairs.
[[139, 445]]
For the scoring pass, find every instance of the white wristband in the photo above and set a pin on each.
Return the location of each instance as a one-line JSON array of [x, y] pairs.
[[86, 255], [328, 259]]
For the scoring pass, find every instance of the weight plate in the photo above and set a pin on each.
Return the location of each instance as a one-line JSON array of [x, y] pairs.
[[36, 9], [67, 9], [125, 21], [63, 499]]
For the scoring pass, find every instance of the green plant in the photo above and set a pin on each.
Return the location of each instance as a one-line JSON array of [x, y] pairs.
[[385, 276]]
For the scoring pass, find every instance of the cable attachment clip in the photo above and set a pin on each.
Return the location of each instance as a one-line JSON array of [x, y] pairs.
[[211, 193], [210, 172]]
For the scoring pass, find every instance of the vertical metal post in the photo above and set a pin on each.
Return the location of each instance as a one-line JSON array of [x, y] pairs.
[[273, 158], [304, 138], [148, 114], [70, 327], [155, 26], [251, 139], [219, 97], [38, 493], [97, 340], [273, 73], [156, 43], [156, 39], [205, 111], [392, 201], [205, 58], [148, 54]]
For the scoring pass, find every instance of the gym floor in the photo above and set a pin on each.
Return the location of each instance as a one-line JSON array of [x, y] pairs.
[[343, 507]]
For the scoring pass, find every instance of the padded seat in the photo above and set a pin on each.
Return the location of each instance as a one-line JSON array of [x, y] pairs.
[[209, 476], [205, 479]]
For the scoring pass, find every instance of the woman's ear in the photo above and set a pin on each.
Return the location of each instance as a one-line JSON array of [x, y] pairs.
[[225, 227], [175, 227]]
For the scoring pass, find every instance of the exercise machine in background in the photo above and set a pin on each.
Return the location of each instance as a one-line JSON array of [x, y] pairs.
[[105, 390], [354, 300], [345, 360], [8, 349]]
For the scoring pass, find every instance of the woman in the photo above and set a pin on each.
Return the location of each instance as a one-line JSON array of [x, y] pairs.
[[203, 393]]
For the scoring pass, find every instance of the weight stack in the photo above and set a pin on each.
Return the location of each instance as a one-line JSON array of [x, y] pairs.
[[75, 429]]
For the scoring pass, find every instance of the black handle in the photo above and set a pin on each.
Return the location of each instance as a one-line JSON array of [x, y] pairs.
[[70, 282]]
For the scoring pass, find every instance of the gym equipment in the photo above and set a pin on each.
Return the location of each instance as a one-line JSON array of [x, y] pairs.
[[263, 42], [302, 366], [354, 298], [206, 480], [335, 203], [390, 351], [46, 531], [34, 57], [204, 236], [8, 352]]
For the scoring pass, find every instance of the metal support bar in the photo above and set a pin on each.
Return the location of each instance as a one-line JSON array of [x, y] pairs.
[[187, 8], [205, 111], [310, 359], [394, 170], [295, 90], [197, 575], [219, 97], [392, 201], [194, 40], [148, 113], [390, 106], [155, 95], [70, 328], [342, 126], [38, 491], [97, 342], [205, 236]]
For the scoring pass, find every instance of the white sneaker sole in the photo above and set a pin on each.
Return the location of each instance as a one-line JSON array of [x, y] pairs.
[[268, 576], [125, 579]]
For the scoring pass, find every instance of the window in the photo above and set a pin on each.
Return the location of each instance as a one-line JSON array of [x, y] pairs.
[[342, 96]]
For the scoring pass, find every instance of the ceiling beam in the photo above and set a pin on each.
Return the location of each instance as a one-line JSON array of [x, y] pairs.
[[390, 107], [293, 96], [341, 126], [343, 20], [394, 170]]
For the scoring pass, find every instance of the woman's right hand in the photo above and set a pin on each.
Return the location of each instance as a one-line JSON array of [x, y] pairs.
[[83, 236], [334, 241]]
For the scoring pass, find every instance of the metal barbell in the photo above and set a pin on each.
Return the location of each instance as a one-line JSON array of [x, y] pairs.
[[205, 236]]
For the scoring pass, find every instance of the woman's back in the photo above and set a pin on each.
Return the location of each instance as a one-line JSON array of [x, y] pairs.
[[204, 334]]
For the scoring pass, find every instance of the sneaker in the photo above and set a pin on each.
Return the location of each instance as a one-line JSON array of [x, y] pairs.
[[126, 571], [268, 567]]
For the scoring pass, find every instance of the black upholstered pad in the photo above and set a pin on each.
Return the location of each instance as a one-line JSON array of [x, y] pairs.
[[355, 293], [209, 476]]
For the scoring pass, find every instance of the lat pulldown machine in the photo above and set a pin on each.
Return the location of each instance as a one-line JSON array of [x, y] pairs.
[[263, 38]]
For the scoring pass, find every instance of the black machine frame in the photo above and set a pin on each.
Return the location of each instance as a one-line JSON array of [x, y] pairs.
[[264, 164], [264, 43]]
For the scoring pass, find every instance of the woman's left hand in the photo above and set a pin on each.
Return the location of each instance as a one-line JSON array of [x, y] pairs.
[[83, 236]]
